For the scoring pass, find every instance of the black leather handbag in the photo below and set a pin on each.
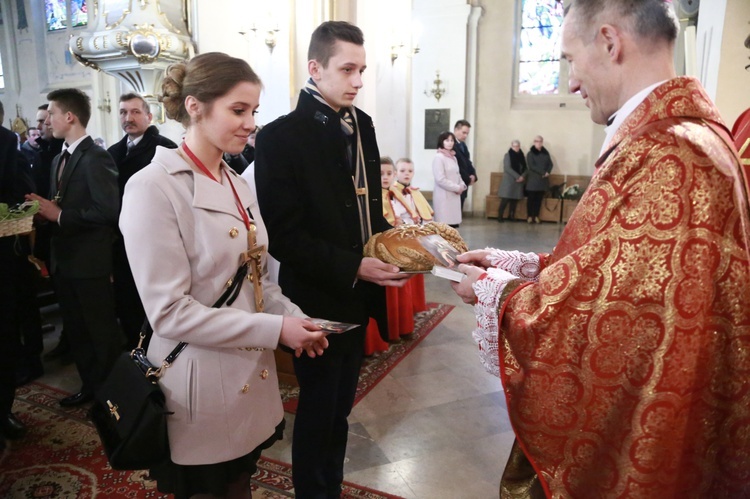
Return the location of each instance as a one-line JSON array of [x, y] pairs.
[[130, 412]]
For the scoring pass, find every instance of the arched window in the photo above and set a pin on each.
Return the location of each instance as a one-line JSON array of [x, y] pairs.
[[539, 47]]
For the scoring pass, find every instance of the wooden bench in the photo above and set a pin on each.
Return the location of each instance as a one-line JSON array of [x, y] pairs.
[[553, 210]]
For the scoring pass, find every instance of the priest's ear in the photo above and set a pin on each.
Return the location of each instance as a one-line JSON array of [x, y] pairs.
[[611, 38]]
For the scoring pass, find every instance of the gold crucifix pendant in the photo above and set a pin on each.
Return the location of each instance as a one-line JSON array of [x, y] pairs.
[[253, 257]]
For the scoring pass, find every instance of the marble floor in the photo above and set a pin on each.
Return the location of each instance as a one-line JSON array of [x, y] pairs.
[[436, 426]]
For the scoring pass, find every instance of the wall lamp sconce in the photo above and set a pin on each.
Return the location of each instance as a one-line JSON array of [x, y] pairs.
[[105, 104], [437, 90], [270, 39], [397, 50]]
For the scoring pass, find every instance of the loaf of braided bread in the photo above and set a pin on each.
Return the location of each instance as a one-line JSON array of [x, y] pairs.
[[400, 246]]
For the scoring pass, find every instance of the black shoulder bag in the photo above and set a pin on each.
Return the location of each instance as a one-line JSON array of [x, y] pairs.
[[129, 410]]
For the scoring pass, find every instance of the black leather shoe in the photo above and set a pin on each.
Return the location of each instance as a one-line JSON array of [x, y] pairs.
[[61, 350], [12, 428], [77, 399]]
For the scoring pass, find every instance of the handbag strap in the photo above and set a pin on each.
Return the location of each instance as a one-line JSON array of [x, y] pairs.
[[231, 291]]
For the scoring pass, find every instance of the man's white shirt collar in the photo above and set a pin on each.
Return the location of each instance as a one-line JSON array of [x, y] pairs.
[[626, 110], [72, 147]]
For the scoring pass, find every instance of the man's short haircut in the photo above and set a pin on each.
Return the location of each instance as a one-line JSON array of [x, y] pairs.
[[73, 100], [461, 123], [132, 95], [2, 113], [43, 107], [648, 19], [325, 37], [405, 160], [386, 160]]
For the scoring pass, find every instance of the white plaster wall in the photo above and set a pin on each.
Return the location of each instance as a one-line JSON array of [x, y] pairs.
[[385, 92], [217, 30], [733, 82], [442, 47]]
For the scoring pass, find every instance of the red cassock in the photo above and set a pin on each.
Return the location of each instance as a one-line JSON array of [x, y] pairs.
[[741, 134], [626, 367]]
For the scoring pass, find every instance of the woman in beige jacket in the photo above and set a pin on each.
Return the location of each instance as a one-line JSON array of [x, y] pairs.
[[186, 220]]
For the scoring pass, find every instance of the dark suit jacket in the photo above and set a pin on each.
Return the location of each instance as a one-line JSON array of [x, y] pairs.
[[465, 166], [309, 205], [88, 197], [139, 157]]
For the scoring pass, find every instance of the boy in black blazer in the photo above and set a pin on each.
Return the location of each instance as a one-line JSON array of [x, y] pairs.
[[83, 210]]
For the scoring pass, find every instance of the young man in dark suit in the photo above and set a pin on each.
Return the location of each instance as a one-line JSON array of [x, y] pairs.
[[318, 183], [83, 211], [134, 152], [465, 167]]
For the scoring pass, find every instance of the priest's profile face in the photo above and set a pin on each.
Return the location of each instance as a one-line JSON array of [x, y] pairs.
[[591, 71]]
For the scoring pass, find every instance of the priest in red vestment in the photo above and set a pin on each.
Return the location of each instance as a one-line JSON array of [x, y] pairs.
[[625, 353]]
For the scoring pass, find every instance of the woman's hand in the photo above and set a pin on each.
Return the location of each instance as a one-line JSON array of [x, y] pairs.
[[302, 335]]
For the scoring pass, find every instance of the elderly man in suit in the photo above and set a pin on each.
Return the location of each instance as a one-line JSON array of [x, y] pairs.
[[83, 211], [131, 154]]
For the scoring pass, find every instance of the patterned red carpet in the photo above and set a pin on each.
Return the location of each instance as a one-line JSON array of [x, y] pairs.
[[377, 366], [61, 458]]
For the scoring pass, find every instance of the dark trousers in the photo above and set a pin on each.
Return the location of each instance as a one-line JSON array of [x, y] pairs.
[[512, 212], [10, 344], [534, 203], [88, 310], [328, 385], [127, 301]]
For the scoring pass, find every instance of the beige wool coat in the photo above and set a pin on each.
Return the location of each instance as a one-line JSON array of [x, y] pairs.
[[183, 235]]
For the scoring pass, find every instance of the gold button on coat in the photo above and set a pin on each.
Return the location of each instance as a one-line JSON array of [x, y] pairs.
[[245, 388], [233, 232], [264, 374]]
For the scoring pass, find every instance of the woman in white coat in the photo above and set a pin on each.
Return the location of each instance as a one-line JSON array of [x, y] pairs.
[[186, 219], [446, 195]]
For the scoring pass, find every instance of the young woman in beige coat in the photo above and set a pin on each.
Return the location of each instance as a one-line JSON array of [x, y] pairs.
[[186, 219]]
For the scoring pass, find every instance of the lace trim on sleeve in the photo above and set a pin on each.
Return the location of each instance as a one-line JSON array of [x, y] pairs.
[[522, 265], [488, 290]]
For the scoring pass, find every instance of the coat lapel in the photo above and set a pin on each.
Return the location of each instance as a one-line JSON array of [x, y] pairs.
[[210, 195]]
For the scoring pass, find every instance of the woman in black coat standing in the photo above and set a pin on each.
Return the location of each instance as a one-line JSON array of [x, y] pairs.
[[511, 187], [539, 165]]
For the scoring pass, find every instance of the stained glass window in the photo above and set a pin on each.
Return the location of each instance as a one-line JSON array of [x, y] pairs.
[[56, 12], [78, 14], [539, 51]]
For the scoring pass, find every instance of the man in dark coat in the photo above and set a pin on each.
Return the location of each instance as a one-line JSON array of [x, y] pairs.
[[131, 154], [83, 214], [15, 181], [318, 182], [465, 167]]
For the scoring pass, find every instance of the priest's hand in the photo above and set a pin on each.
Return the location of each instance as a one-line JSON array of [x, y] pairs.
[[479, 258], [465, 288]]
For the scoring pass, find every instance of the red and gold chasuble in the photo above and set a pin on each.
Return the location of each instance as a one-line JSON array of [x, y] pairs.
[[627, 366]]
